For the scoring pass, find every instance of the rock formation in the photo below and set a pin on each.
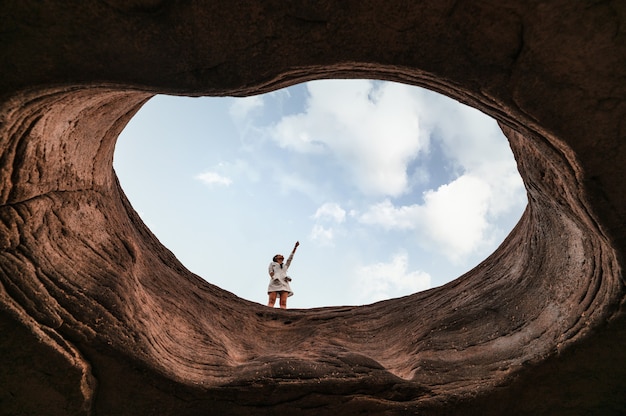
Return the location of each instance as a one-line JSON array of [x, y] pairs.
[[97, 317]]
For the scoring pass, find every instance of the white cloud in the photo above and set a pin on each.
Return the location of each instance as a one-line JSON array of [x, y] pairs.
[[331, 211], [371, 129], [289, 133], [213, 178], [461, 217], [222, 173], [453, 218], [386, 215], [385, 280], [456, 216], [327, 212], [473, 142], [323, 236]]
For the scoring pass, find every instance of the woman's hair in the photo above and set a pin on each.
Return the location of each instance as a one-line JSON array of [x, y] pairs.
[[275, 259]]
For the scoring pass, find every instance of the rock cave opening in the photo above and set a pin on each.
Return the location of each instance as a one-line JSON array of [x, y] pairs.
[[399, 188]]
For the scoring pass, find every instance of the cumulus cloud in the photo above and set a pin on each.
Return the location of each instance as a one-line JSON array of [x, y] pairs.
[[475, 145], [322, 235], [214, 178], [330, 211], [453, 218], [370, 129], [386, 280], [327, 215], [458, 218]]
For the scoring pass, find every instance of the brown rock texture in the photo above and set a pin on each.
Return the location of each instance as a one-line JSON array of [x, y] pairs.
[[98, 318]]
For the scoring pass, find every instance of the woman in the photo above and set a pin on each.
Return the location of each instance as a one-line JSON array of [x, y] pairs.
[[279, 281]]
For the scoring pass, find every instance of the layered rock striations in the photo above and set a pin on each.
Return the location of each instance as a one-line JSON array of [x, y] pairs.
[[97, 317]]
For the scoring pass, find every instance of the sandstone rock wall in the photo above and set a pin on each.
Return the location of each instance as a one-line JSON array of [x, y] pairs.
[[96, 317]]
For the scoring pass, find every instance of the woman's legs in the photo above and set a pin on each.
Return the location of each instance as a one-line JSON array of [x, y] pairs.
[[283, 299], [272, 299]]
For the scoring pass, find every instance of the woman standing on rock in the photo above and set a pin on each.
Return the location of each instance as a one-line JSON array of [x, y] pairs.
[[279, 281]]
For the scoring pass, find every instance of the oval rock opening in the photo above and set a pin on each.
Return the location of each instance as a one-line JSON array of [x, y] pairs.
[[391, 189]]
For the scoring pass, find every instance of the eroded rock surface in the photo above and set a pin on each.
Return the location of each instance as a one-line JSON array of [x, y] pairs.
[[96, 317]]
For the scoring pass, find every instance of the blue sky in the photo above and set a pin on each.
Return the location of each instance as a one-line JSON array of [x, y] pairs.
[[390, 189]]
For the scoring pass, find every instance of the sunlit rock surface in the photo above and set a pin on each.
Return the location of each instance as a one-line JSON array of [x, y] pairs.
[[96, 317]]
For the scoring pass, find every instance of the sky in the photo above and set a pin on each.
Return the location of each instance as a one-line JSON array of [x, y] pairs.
[[391, 189]]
